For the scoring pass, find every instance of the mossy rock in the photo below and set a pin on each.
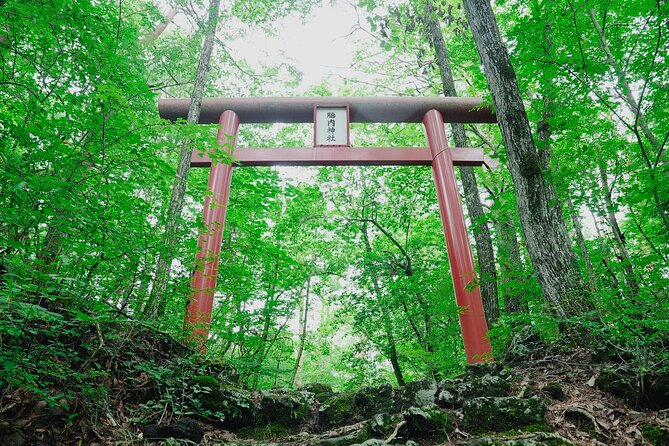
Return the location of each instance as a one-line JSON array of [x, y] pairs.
[[451, 393], [485, 368], [381, 425], [206, 388], [523, 346], [372, 442], [486, 386], [321, 391], [500, 414], [655, 435], [337, 411], [427, 422], [184, 429], [225, 372], [373, 400], [344, 440], [419, 393], [619, 383], [286, 407], [233, 406]]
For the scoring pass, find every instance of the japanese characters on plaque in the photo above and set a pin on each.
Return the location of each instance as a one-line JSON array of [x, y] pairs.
[[331, 126]]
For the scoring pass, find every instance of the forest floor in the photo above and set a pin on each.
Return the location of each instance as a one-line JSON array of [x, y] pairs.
[[137, 378], [585, 415]]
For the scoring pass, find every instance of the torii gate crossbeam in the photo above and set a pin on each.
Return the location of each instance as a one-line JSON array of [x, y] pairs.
[[430, 110]]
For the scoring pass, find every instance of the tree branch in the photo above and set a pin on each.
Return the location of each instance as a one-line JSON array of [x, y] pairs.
[[408, 269]]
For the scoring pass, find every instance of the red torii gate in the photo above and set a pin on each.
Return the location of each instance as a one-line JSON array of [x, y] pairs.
[[432, 111]]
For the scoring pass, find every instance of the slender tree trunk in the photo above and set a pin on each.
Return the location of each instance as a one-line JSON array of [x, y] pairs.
[[387, 326], [658, 154], [408, 271], [604, 247], [160, 28], [545, 233], [296, 379], [580, 240], [259, 354], [511, 267], [51, 249], [544, 143], [623, 84], [420, 338], [392, 349], [429, 325], [618, 236], [156, 305], [484, 251]]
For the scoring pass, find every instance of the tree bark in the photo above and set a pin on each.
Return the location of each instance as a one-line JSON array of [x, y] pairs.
[[156, 305], [484, 250], [544, 134], [618, 236], [511, 266], [390, 338], [160, 28], [605, 250], [296, 379], [545, 233]]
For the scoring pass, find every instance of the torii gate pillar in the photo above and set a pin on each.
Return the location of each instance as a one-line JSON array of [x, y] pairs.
[[467, 291], [203, 284]]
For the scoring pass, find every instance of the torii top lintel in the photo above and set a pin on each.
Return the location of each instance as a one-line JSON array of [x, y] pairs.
[[362, 108]]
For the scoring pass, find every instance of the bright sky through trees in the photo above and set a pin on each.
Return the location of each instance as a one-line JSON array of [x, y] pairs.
[[318, 46]]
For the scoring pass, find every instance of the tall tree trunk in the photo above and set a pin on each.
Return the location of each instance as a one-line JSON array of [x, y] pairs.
[[49, 252], [623, 84], [544, 143], [484, 251], [387, 327], [618, 236], [651, 160], [545, 233], [258, 356], [161, 27], [511, 267], [580, 240], [545, 150], [156, 304], [604, 248], [296, 379]]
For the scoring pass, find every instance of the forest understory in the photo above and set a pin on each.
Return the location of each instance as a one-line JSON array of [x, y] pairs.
[[121, 383]]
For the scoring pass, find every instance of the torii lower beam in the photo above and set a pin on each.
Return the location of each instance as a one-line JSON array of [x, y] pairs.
[[348, 156]]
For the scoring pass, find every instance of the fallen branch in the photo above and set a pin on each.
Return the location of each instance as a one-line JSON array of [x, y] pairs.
[[395, 432]]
